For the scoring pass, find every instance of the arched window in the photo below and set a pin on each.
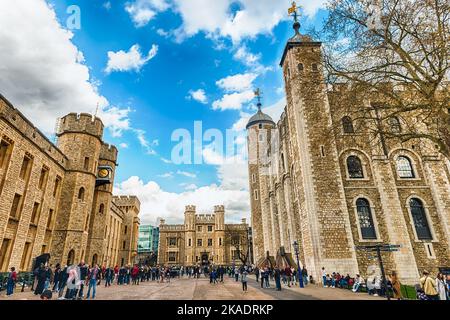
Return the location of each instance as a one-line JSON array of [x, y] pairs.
[[81, 194], [404, 167], [94, 260], [71, 257], [420, 220], [394, 124], [101, 210], [365, 219], [354, 166], [300, 67], [347, 125]]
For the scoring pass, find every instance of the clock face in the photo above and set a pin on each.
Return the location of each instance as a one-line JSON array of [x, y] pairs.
[[103, 173]]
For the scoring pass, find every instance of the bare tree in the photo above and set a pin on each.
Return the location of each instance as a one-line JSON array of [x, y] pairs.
[[238, 240], [395, 56]]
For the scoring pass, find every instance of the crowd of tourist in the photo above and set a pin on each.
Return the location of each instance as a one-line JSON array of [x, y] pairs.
[[429, 288], [77, 282]]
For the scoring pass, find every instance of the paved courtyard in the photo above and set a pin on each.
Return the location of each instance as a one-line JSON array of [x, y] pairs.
[[201, 289]]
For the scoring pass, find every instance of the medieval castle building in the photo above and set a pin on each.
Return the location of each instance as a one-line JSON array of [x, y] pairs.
[[320, 178], [203, 239], [57, 199]]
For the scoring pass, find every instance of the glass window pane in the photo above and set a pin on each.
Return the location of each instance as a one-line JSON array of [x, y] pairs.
[[420, 220], [365, 219], [354, 166], [404, 168]]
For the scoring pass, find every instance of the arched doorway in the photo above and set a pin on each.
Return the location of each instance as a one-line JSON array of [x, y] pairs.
[[71, 257], [94, 260], [205, 259]]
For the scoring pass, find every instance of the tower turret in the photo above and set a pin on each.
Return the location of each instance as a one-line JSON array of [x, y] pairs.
[[259, 134], [80, 139]]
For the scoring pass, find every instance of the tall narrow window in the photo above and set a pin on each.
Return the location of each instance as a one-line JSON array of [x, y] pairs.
[[315, 67], [394, 124], [355, 169], [24, 169], [15, 209], [365, 219], [86, 163], [190, 242], [420, 220], [347, 125], [81, 194], [210, 242], [404, 167], [56, 187], [35, 214], [71, 257], [101, 209], [50, 219], [3, 153], [300, 67], [282, 163], [126, 230], [43, 178], [256, 194]]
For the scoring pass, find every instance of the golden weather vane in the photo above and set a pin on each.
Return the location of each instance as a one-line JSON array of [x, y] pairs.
[[293, 11]]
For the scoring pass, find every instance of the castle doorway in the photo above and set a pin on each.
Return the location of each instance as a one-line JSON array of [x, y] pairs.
[[205, 259]]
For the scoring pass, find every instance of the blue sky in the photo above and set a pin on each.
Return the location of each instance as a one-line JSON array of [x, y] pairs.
[[142, 61]]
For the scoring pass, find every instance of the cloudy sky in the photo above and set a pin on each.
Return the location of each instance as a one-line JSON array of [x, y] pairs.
[[152, 67]]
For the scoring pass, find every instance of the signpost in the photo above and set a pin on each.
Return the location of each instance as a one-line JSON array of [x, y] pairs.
[[378, 248]]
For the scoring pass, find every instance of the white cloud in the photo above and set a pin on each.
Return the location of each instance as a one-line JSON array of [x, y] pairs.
[[188, 187], [199, 95], [233, 101], [251, 60], [107, 5], [43, 72], [142, 11], [238, 82], [131, 60], [166, 175], [148, 146], [166, 160], [216, 19], [156, 202], [123, 145], [186, 174]]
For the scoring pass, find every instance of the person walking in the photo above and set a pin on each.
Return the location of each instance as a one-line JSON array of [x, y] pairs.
[[305, 275], [277, 275], [440, 287], [257, 274], [84, 270], [41, 278], [93, 277], [396, 285], [324, 277], [244, 280], [56, 277], [11, 283], [428, 286]]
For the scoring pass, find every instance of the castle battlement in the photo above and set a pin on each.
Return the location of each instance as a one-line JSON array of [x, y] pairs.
[[190, 208], [109, 152], [205, 218], [219, 208], [81, 123], [127, 201]]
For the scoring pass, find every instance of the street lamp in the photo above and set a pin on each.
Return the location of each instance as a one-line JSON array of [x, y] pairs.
[[300, 276]]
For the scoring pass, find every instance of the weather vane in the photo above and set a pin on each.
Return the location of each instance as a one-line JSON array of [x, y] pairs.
[[293, 11], [258, 95]]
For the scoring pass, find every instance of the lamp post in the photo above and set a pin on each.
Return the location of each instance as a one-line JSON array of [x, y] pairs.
[[299, 271]]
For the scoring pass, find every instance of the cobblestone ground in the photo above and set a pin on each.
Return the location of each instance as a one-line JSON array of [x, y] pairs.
[[201, 289]]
